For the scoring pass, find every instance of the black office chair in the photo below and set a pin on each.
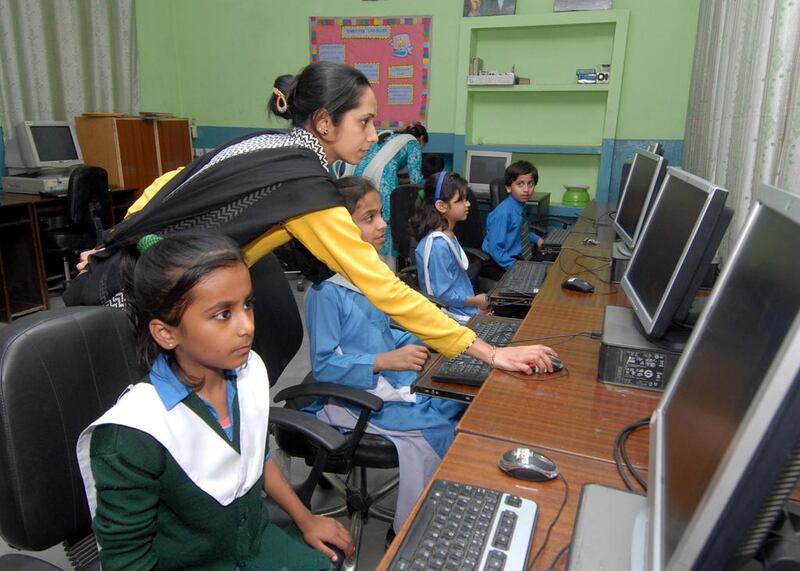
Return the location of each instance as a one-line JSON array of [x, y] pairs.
[[88, 214], [59, 371], [279, 333]]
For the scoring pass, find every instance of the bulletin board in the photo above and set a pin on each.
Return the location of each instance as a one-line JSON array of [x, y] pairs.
[[395, 55]]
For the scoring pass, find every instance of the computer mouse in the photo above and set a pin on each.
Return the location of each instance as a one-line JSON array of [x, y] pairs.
[[577, 284], [527, 464], [557, 365]]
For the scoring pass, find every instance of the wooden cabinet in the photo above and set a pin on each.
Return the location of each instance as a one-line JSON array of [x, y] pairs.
[[134, 150]]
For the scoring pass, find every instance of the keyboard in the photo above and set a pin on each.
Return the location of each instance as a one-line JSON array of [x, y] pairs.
[[556, 237], [466, 528], [523, 279], [467, 370]]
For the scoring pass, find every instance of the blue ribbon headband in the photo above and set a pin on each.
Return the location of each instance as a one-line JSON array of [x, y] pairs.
[[437, 195]]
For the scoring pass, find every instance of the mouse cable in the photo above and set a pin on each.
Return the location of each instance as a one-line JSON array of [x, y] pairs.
[[555, 519], [567, 336], [621, 454], [559, 555]]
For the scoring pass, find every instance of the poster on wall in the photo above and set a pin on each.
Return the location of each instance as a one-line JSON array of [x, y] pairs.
[[395, 55]]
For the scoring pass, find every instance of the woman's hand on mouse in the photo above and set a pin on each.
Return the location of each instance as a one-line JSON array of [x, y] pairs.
[[523, 358]]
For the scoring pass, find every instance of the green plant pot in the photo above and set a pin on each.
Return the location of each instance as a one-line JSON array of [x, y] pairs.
[[575, 195]]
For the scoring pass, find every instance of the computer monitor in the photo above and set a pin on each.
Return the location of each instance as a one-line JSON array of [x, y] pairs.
[[48, 144], [726, 428], [644, 179], [485, 166], [677, 244], [724, 439]]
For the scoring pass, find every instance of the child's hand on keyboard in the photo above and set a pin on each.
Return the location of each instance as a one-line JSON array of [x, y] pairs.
[[407, 358]]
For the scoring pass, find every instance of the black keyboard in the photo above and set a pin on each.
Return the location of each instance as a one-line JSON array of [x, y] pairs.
[[462, 527], [523, 279], [556, 237], [466, 370]]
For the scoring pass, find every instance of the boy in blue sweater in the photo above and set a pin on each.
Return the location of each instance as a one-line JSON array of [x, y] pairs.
[[508, 237]]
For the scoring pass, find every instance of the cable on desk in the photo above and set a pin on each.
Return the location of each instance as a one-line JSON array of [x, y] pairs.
[[555, 519], [559, 555], [621, 454], [566, 336]]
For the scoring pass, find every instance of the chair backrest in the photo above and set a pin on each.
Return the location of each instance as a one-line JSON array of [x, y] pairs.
[[470, 231], [59, 371], [89, 199], [402, 201], [279, 329], [497, 192]]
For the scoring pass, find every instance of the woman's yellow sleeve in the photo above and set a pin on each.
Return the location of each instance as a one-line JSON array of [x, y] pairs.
[[151, 191], [334, 239]]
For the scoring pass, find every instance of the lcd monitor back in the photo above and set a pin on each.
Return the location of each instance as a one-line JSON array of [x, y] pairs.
[[644, 180], [725, 430], [677, 244], [485, 166]]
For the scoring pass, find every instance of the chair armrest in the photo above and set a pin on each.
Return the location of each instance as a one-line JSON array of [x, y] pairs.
[[309, 426], [480, 254], [335, 390]]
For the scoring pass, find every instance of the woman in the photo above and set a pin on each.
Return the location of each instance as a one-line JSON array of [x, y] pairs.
[[381, 165], [264, 189]]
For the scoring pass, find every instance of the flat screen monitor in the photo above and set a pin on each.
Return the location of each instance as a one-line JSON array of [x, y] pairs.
[[485, 166], [644, 179], [48, 144], [677, 244], [725, 432]]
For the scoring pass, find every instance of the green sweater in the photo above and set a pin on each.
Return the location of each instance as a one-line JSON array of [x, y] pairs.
[[150, 515]]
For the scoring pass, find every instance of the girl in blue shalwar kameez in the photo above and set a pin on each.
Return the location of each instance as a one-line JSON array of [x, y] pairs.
[[352, 343], [441, 262]]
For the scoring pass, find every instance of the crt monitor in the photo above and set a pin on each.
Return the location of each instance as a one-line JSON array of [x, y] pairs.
[[48, 144], [644, 179], [726, 427], [677, 245], [724, 437], [485, 166]]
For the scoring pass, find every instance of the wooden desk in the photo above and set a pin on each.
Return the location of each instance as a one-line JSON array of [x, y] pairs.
[[23, 285], [473, 460]]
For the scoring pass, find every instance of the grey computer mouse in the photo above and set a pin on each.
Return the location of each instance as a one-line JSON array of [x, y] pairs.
[[577, 284], [528, 464], [557, 364]]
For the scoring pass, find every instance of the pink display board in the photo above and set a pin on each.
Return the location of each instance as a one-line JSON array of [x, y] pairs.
[[394, 53]]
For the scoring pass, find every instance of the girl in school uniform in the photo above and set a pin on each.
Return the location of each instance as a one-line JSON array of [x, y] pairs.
[[352, 342], [441, 262], [175, 470]]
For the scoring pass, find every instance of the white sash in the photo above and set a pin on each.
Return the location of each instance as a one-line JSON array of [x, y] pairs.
[[461, 258], [374, 170], [383, 389], [206, 458]]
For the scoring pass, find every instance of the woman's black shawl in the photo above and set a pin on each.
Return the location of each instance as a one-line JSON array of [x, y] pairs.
[[242, 197]]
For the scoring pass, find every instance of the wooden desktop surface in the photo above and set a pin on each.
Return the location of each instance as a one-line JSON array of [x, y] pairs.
[[473, 460]]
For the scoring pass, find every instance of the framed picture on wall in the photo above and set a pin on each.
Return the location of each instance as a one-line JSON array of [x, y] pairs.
[[489, 7]]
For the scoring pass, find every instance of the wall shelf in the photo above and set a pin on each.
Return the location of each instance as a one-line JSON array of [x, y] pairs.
[[567, 129]]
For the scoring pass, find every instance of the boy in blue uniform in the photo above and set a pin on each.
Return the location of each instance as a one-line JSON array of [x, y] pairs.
[[508, 237]]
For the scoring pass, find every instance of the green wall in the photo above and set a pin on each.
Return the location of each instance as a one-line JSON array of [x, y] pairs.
[[215, 60]]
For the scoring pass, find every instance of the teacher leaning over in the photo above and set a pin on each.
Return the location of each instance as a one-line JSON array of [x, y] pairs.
[[264, 189]]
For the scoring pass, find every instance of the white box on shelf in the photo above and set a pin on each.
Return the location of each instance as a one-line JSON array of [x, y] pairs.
[[491, 79], [572, 5]]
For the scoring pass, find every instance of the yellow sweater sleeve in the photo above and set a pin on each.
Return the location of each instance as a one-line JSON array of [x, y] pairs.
[[151, 191], [334, 239]]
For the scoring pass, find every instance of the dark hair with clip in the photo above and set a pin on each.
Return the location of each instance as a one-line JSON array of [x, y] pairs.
[[332, 87], [158, 282], [426, 218], [519, 168]]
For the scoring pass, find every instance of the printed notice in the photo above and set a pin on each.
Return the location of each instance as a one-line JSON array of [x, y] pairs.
[[401, 71], [371, 70], [331, 52], [371, 32], [400, 94]]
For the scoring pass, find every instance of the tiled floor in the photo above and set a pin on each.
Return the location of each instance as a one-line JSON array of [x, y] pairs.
[[374, 533]]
